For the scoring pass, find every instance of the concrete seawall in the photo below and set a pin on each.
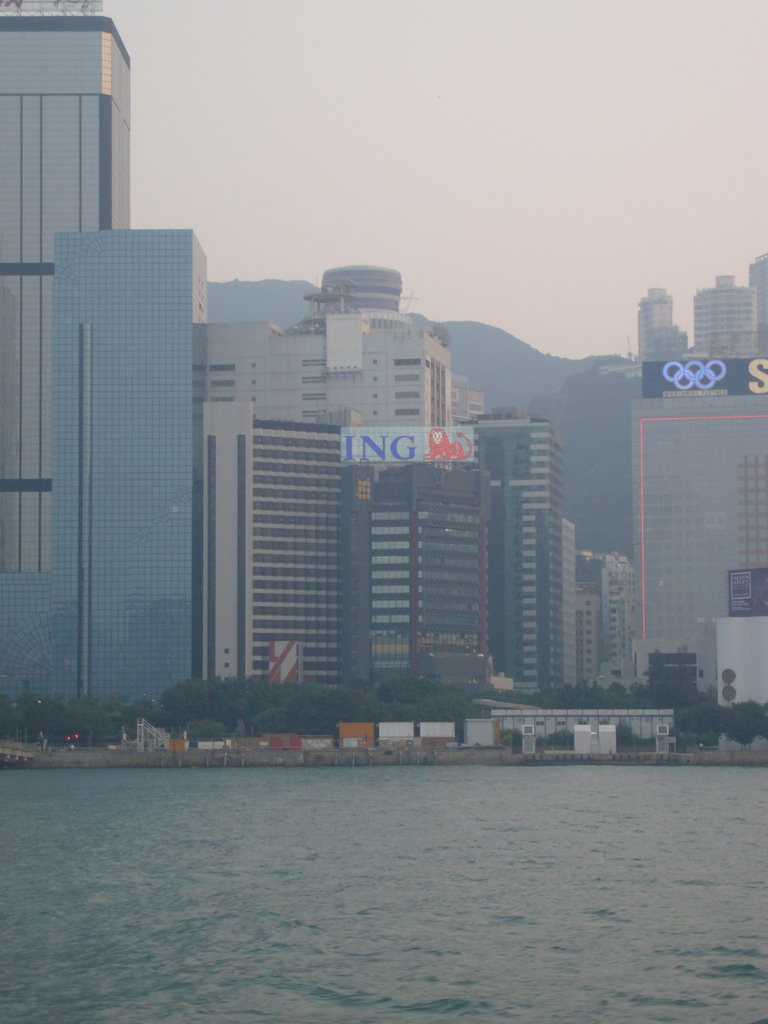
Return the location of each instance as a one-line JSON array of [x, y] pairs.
[[345, 758]]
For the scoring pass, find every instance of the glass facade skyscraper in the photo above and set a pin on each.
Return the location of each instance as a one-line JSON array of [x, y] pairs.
[[524, 457], [701, 500], [64, 166], [125, 303]]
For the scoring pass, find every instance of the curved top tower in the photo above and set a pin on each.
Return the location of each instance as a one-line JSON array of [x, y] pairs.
[[374, 287]]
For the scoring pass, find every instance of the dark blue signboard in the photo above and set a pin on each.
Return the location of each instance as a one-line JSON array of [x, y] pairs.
[[705, 377], [747, 592]]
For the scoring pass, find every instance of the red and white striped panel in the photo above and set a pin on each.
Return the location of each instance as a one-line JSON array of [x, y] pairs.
[[284, 661]]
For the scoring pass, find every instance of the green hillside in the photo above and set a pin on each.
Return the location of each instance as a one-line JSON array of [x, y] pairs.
[[237, 302], [506, 369]]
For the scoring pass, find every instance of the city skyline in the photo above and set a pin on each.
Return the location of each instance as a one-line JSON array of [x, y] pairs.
[[538, 168]]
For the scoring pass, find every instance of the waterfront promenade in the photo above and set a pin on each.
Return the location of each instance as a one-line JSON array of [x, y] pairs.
[[30, 756], [13, 753]]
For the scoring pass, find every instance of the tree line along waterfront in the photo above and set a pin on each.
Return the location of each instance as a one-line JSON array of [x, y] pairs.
[[216, 708]]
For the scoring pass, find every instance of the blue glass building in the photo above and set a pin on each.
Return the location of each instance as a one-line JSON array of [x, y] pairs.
[[123, 454], [64, 166]]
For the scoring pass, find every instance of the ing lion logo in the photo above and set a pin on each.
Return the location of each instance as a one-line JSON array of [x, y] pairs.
[[442, 449]]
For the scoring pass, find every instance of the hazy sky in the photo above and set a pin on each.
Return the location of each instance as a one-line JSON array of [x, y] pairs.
[[534, 164]]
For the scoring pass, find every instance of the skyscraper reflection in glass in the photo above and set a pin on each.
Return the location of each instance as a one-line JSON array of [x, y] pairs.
[[124, 306]]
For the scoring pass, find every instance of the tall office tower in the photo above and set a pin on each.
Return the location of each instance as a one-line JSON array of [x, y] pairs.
[[700, 474], [271, 549], [64, 165], [657, 336], [414, 579], [524, 457], [123, 466], [725, 320], [589, 646], [758, 279], [337, 365]]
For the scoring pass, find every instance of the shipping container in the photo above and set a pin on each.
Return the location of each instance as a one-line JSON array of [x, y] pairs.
[[246, 742], [362, 732], [444, 730], [284, 741], [396, 732], [317, 742], [481, 732]]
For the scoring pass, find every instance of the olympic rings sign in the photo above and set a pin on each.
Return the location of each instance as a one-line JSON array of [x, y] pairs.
[[695, 374]]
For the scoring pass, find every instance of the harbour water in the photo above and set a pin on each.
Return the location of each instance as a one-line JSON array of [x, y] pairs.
[[369, 895]]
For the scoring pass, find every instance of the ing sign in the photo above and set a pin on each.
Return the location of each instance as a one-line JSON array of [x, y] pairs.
[[410, 444]]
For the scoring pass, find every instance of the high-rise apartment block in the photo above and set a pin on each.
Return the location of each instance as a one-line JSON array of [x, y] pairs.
[[569, 602], [64, 164], [725, 320], [589, 650], [524, 458], [657, 335], [614, 577]]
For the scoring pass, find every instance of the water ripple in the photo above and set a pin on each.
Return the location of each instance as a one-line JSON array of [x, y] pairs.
[[486, 895]]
